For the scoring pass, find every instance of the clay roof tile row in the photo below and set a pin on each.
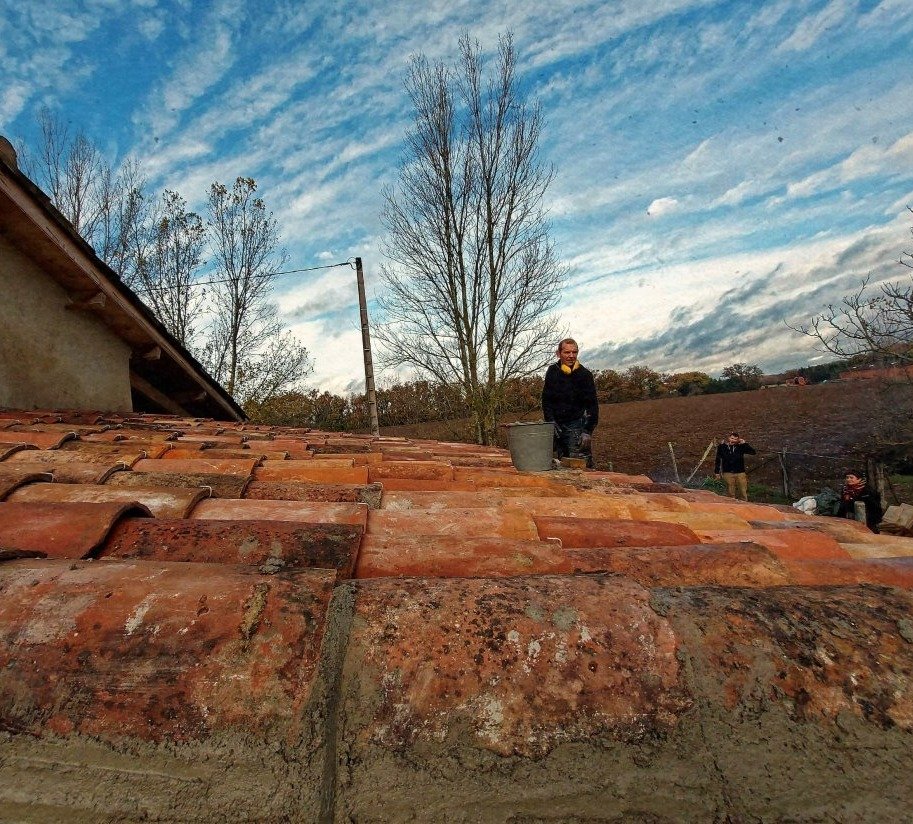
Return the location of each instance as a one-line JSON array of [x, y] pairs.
[[304, 608]]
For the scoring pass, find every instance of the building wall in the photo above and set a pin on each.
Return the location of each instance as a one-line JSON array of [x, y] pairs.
[[52, 357]]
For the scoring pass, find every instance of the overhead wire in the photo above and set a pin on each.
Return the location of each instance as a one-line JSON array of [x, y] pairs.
[[350, 263]]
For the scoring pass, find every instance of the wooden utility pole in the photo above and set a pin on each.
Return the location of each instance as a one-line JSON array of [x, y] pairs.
[[366, 349]]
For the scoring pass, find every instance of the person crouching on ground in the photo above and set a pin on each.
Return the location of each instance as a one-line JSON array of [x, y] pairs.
[[730, 464], [569, 401], [856, 489]]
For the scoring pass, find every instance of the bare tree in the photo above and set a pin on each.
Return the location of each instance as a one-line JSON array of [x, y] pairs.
[[125, 227], [107, 207], [168, 266], [873, 326], [473, 274], [247, 350], [871, 323]]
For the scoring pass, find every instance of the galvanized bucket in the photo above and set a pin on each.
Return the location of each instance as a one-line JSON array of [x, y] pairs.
[[531, 445]]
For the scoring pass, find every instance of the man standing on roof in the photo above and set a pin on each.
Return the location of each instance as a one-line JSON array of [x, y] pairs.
[[569, 401], [730, 463]]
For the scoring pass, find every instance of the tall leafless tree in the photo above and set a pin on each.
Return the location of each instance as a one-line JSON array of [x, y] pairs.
[[169, 264], [874, 326], [473, 274], [106, 206], [247, 350]]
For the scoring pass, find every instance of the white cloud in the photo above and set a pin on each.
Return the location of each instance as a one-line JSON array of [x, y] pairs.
[[810, 29], [662, 206]]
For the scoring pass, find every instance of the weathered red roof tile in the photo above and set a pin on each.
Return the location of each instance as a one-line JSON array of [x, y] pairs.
[[72, 472], [443, 556], [219, 486], [101, 456], [745, 511], [356, 458], [130, 436], [40, 440], [269, 545], [414, 485], [202, 465], [399, 500], [514, 665], [128, 452], [306, 512], [794, 647], [11, 478], [600, 532], [887, 547], [483, 478], [418, 470], [61, 530], [369, 494], [7, 449], [602, 506], [732, 565], [157, 651], [700, 522], [786, 544], [163, 502], [399, 453], [343, 472], [479, 522], [892, 572]]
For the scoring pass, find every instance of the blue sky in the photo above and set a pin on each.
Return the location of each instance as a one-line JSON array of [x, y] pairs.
[[720, 166]]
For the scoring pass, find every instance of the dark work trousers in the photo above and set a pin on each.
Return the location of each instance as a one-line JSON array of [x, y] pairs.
[[567, 441]]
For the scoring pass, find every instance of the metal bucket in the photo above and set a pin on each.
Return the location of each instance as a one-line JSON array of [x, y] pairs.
[[531, 445]]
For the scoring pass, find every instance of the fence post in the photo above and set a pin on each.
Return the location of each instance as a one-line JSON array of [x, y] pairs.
[[782, 456], [699, 463], [875, 471], [678, 480]]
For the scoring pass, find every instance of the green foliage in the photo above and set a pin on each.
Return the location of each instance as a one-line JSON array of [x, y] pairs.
[[742, 376]]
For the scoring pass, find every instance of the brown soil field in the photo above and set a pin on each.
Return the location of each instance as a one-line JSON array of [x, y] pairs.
[[823, 428]]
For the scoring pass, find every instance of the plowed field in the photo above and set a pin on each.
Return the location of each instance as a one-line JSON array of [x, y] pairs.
[[823, 428]]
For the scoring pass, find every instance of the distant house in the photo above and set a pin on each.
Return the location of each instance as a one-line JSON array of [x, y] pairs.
[[72, 335]]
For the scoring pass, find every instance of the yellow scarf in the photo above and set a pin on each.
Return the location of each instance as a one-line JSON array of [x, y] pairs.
[[568, 369]]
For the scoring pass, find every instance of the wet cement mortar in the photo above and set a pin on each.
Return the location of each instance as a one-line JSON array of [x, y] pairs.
[[800, 713], [753, 745], [280, 774]]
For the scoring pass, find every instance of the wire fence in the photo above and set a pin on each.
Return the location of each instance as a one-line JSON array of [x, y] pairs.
[[790, 472]]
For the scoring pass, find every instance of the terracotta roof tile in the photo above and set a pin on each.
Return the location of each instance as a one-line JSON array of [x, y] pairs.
[[61, 530], [614, 646], [342, 472], [8, 449], [202, 465], [596, 532], [157, 651], [470, 657], [456, 556], [369, 494], [269, 545], [219, 486], [73, 472], [11, 478], [163, 502], [306, 512], [40, 440], [478, 522]]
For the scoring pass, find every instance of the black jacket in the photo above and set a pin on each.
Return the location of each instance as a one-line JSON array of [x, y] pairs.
[[567, 398], [731, 458]]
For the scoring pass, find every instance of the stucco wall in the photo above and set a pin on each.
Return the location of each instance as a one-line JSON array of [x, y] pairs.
[[52, 357]]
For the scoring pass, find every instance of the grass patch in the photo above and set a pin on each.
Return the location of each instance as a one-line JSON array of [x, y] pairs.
[[758, 493]]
